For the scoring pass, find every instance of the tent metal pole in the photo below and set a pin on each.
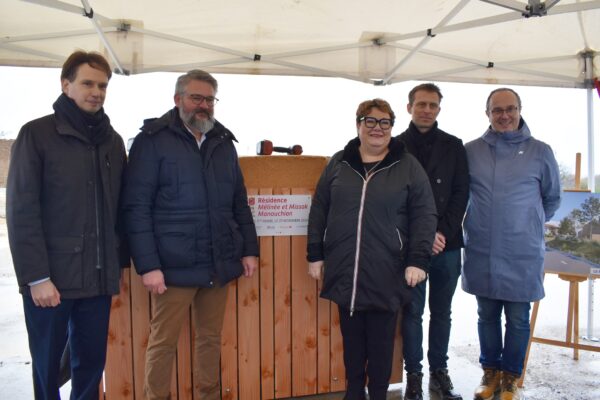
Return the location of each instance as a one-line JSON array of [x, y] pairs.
[[590, 319], [60, 5], [90, 14], [26, 50], [49, 35], [589, 77], [457, 9]]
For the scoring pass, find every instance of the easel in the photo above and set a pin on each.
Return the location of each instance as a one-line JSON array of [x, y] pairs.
[[574, 274]]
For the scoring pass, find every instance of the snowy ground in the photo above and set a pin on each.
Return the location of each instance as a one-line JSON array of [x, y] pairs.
[[552, 373]]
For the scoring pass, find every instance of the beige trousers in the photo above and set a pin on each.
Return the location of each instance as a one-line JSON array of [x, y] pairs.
[[168, 312]]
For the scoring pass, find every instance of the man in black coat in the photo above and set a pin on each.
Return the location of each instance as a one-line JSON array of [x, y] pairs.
[[444, 159], [62, 201], [190, 229]]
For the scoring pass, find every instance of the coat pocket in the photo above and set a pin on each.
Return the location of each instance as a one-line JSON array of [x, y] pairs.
[[176, 245], [65, 258], [237, 241]]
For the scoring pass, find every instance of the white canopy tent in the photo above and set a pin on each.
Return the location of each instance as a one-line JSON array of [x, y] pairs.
[[552, 43], [555, 43], [544, 44]]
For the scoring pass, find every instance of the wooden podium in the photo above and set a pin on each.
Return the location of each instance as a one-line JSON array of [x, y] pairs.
[[279, 339]]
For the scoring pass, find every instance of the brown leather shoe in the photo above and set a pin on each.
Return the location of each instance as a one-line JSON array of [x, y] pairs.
[[509, 388], [490, 384]]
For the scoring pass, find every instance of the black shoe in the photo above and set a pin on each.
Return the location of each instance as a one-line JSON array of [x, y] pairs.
[[414, 389], [441, 384]]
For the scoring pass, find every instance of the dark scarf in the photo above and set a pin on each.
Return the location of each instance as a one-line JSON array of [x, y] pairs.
[[95, 127], [422, 142]]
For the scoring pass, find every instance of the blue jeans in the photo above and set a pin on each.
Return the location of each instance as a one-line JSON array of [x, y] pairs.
[[510, 356], [85, 321], [443, 277]]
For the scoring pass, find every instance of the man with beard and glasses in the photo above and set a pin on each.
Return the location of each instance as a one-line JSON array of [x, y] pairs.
[[190, 230], [62, 200]]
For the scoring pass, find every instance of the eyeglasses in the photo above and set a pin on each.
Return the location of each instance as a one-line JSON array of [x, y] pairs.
[[510, 110], [370, 122], [197, 99]]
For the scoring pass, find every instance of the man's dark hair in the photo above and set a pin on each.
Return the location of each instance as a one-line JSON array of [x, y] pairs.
[[195, 75], [426, 87], [504, 89], [94, 59]]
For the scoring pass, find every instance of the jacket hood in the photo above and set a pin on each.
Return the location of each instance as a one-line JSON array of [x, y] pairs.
[[171, 120], [351, 153], [520, 135]]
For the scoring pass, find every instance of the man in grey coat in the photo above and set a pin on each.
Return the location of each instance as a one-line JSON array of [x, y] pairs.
[[514, 189]]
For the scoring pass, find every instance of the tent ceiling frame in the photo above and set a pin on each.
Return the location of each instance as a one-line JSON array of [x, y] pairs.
[[458, 8], [497, 19], [244, 55], [438, 74], [89, 12], [52, 35], [189, 66], [476, 64], [112, 25], [540, 74], [95, 19], [59, 5], [533, 8], [26, 50]]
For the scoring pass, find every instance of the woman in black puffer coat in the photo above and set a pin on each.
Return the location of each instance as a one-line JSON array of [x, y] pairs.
[[370, 233]]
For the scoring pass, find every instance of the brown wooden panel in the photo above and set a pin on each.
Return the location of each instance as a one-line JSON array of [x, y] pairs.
[[338, 372], [304, 319], [119, 377], [249, 334], [323, 343], [397, 359], [184, 360], [140, 330], [262, 357], [229, 359], [267, 363], [282, 313], [282, 171]]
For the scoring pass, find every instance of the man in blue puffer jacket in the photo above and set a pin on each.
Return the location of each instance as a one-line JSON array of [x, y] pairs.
[[514, 189], [190, 229]]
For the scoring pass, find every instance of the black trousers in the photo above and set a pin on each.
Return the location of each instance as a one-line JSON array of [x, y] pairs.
[[368, 338]]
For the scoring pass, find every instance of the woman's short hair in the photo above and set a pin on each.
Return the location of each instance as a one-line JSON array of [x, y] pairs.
[[366, 106]]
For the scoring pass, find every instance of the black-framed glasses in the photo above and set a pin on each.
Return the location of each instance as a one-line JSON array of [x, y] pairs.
[[198, 99], [510, 110], [370, 122]]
